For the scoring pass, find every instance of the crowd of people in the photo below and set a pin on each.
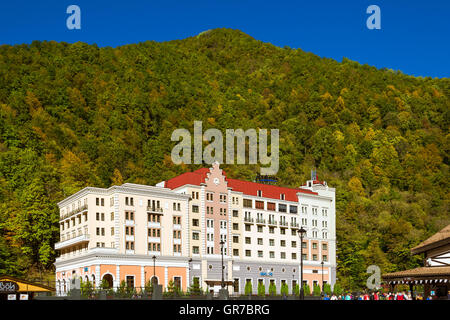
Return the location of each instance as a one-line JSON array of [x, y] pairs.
[[377, 296]]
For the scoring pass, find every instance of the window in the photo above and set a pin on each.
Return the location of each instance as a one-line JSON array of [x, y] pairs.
[[195, 209], [260, 241], [195, 222], [235, 213], [248, 240], [248, 253], [112, 216], [314, 257], [248, 203], [103, 202], [324, 257], [271, 230], [283, 255], [294, 256], [304, 210], [235, 239], [293, 209], [235, 226], [103, 216], [98, 231], [283, 243], [260, 229], [281, 196], [129, 215], [130, 281], [260, 254], [112, 231], [195, 236], [129, 231], [282, 207], [195, 250], [129, 245], [248, 227], [97, 216], [259, 193], [272, 254], [235, 252], [271, 242], [304, 245], [294, 232], [97, 201], [259, 205], [294, 244], [324, 246], [314, 245], [282, 231], [271, 206]]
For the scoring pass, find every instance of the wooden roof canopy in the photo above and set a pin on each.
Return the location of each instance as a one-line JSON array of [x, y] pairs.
[[436, 240]]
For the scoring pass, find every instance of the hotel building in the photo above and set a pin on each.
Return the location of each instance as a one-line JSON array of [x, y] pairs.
[[177, 229]]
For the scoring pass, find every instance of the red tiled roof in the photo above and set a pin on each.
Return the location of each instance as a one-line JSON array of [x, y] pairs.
[[246, 187]]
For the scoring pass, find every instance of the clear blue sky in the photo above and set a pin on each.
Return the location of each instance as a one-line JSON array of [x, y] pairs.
[[414, 35]]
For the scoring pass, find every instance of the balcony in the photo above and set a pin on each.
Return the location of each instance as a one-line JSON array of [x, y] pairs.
[[156, 210], [272, 222], [248, 220], [177, 227], [72, 241], [154, 239], [283, 224], [261, 221], [74, 211], [152, 224], [295, 225]]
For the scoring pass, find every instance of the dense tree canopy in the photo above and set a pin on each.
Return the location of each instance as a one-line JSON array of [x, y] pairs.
[[76, 115]]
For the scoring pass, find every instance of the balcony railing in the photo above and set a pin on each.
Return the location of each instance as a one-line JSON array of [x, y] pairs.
[[283, 224], [74, 211], [261, 221], [155, 209], [248, 220], [72, 241], [295, 225], [273, 222]]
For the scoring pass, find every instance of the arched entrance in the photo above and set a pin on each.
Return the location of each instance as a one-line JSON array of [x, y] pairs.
[[154, 280], [109, 280]]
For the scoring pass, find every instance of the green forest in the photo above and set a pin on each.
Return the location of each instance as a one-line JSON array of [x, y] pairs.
[[77, 115]]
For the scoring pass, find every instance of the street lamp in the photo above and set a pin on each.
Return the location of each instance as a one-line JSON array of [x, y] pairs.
[[190, 277], [223, 280], [154, 270], [301, 233], [322, 278]]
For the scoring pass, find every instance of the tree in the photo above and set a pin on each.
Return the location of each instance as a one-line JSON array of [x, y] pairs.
[[195, 289], [261, 289], [272, 289], [316, 290], [284, 289], [337, 290], [248, 288]]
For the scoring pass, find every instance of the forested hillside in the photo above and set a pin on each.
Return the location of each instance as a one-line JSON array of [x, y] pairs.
[[76, 115]]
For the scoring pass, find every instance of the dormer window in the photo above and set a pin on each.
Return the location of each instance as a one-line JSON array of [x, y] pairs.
[[259, 193], [282, 196]]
